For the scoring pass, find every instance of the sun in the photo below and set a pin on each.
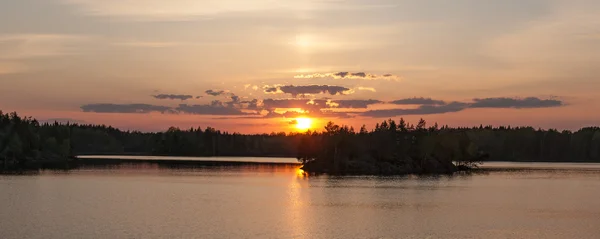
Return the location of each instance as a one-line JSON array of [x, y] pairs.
[[303, 123]]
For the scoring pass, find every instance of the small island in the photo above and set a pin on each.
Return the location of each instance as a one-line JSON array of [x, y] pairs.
[[390, 149]]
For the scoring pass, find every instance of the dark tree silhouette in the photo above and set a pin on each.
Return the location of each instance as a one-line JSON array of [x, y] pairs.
[[390, 148]]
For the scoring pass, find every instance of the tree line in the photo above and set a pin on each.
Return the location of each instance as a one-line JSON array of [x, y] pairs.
[[398, 147], [24, 141]]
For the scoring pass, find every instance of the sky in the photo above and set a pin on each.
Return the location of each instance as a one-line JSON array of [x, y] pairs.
[[255, 66]]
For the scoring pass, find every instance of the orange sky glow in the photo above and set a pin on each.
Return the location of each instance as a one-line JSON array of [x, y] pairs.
[[258, 67]]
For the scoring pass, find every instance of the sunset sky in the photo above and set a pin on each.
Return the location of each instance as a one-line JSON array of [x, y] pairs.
[[256, 65]]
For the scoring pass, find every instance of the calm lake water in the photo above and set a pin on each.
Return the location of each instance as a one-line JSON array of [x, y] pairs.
[[280, 201]]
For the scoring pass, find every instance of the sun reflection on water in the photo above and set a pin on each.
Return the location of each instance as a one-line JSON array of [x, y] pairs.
[[301, 174], [295, 210]]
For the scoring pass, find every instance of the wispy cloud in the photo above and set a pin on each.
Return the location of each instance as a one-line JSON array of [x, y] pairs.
[[421, 110], [180, 10], [312, 114], [290, 108], [356, 104], [125, 108], [418, 101], [272, 104], [147, 44], [212, 109], [250, 86], [366, 89], [317, 104], [10, 67], [25, 46], [564, 43], [349, 75]]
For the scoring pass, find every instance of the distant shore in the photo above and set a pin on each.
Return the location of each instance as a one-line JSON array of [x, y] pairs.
[[184, 161]]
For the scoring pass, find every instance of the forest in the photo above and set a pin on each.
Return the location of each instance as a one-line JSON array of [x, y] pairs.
[[392, 147]]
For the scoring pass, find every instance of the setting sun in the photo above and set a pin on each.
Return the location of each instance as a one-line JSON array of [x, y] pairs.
[[303, 123]]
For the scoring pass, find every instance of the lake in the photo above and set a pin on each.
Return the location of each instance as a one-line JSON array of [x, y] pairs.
[[511, 200]]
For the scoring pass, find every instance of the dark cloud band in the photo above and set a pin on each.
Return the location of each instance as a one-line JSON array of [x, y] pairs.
[[418, 101], [125, 108], [308, 90], [212, 109], [429, 106], [216, 92], [172, 97], [323, 107], [502, 102]]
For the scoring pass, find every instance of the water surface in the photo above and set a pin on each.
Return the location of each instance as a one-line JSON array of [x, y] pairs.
[[270, 201]]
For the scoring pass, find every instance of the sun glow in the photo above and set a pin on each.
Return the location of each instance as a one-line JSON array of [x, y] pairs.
[[303, 123], [304, 41]]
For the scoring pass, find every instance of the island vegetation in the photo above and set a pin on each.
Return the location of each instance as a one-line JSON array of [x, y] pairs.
[[392, 147]]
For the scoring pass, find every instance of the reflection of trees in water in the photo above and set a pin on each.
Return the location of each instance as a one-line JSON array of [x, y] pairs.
[[197, 166]]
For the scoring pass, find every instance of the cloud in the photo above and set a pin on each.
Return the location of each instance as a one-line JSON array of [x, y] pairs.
[[292, 108], [314, 105], [349, 75], [172, 97], [27, 46], [250, 86], [272, 89], [366, 89], [332, 104], [326, 108], [8, 67], [312, 114], [271, 104], [357, 104], [235, 100], [428, 106], [215, 92], [418, 101], [332, 114], [148, 44], [215, 108], [421, 110], [560, 44], [187, 10], [307, 90], [125, 108], [175, 10], [286, 114], [502, 102], [251, 104]]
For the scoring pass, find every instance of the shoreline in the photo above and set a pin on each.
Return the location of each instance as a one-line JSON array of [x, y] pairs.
[[174, 161]]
